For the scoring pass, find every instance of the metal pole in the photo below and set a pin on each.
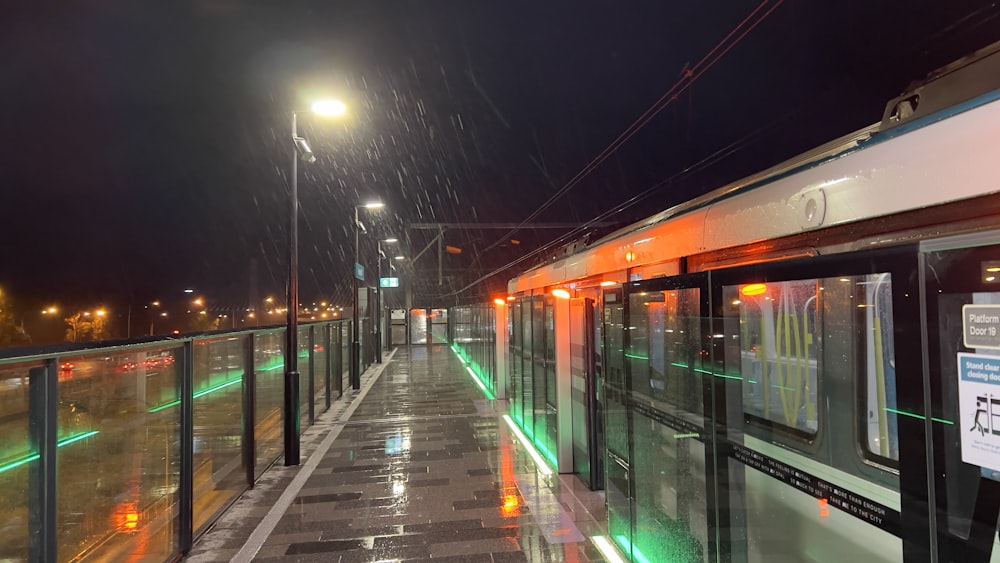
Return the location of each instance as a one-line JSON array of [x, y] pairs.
[[377, 311], [291, 410], [355, 345]]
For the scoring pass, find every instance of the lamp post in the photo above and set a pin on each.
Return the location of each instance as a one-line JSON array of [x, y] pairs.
[[378, 300], [291, 396], [355, 374]]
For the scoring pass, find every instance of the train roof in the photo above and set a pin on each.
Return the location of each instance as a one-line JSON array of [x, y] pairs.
[[958, 87]]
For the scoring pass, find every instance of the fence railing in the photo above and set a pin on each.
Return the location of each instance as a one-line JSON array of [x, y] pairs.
[[132, 450]]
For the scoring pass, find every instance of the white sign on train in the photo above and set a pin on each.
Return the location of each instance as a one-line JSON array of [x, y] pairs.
[[979, 409]]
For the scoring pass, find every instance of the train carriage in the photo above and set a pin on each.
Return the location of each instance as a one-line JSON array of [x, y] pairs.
[[794, 367]]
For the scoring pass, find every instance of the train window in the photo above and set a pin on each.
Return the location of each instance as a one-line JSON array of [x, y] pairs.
[[873, 294], [779, 351]]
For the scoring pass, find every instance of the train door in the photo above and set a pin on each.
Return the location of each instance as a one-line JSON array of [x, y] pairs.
[[961, 277], [585, 413], [668, 432], [617, 460]]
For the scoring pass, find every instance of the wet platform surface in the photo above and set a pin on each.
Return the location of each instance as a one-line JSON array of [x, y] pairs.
[[416, 466]]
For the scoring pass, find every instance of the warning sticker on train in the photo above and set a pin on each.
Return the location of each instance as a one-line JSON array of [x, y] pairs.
[[979, 408]]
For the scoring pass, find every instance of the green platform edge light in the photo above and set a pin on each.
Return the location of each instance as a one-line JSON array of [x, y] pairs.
[[475, 371], [32, 457], [625, 544]]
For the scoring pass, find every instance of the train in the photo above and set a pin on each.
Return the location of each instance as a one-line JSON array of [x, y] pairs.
[[803, 365]]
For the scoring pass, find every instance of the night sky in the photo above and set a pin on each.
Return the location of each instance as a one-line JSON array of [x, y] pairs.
[[145, 144]]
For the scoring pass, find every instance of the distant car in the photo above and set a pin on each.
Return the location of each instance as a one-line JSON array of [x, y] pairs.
[[66, 366]]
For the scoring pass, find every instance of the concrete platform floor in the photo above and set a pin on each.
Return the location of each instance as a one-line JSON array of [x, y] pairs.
[[415, 466]]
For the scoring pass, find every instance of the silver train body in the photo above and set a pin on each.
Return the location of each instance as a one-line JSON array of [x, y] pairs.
[[779, 363]]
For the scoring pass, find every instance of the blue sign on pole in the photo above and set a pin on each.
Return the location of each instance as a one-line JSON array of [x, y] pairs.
[[359, 271], [388, 282]]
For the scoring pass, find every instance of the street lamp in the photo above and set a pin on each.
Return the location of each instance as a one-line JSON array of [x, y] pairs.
[[378, 300], [359, 275], [301, 150]]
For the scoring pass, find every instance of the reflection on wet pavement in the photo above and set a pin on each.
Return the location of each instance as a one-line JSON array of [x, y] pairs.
[[424, 469]]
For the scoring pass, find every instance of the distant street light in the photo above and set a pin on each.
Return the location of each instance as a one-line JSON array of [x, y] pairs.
[[355, 374], [301, 150]]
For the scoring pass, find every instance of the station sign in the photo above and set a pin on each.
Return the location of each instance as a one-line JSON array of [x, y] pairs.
[[388, 282], [981, 326], [359, 271]]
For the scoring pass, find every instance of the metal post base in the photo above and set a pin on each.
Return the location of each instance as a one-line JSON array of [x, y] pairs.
[[291, 425]]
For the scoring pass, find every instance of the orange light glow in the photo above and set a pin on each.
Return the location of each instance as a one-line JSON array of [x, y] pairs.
[[608, 283], [753, 289], [126, 518], [629, 256], [511, 298], [499, 301], [560, 293], [824, 509], [511, 506]]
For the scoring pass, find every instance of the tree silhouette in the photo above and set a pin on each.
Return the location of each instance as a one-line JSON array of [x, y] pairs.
[[11, 334], [84, 326]]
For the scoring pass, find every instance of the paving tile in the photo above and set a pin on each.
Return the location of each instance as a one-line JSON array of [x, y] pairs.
[[424, 470]]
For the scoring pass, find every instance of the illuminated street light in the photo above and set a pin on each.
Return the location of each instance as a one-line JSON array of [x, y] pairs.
[[329, 108], [358, 275], [300, 149]]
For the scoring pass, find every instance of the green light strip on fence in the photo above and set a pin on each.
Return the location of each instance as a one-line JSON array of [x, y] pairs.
[[59, 444], [165, 406], [920, 416], [636, 357], [239, 379]]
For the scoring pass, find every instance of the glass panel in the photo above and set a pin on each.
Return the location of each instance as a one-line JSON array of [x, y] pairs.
[[320, 354], [667, 355], [439, 326], [874, 294], [538, 376], [305, 390], [527, 368], [802, 345], [670, 494], [118, 470], [550, 379], [514, 361], [619, 505], [269, 366], [18, 457], [779, 351], [218, 405], [418, 326]]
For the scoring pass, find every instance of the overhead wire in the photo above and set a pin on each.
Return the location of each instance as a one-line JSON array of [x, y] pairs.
[[688, 78], [978, 18]]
